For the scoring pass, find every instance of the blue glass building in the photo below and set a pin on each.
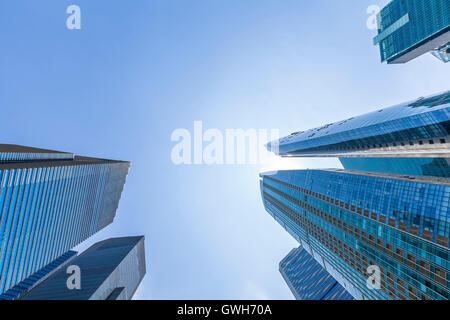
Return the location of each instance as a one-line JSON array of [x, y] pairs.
[[308, 280], [410, 28], [410, 138], [350, 220], [109, 270], [388, 207], [32, 281], [50, 202]]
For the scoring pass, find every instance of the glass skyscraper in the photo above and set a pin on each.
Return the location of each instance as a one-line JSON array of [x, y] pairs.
[[388, 207], [409, 138], [50, 202], [29, 283], [109, 270], [308, 280], [410, 28]]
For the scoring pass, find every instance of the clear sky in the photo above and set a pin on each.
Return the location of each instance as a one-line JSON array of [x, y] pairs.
[[138, 70]]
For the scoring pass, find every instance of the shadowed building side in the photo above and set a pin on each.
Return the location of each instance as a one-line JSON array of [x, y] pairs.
[[109, 270]]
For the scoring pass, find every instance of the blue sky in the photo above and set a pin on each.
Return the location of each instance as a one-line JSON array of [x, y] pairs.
[[138, 70]]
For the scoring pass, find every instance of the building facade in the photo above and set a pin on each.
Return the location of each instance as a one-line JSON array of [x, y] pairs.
[[388, 207], [20, 289], [415, 129], [349, 221], [109, 270], [409, 28], [410, 138], [308, 280], [50, 202]]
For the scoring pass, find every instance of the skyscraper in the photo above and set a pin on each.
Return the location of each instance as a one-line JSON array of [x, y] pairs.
[[109, 270], [32, 281], [308, 280], [50, 202], [409, 138], [410, 28], [388, 207]]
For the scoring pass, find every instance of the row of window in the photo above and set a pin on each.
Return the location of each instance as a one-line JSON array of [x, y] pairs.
[[396, 144], [413, 230], [381, 245], [351, 146], [375, 243], [433, 125], [357, 259]]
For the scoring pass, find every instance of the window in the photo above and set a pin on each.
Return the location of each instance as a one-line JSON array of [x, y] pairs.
[[401, 285], [390, 278], [371, 240], [399, 254], [411, 260], [391, 222], [440, 276], [389, 249], [414, 230], [380, 245], [442, 240], [413, 293], [425, 268], [427, 235]]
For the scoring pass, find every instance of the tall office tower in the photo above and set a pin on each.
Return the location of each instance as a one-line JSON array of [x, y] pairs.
[[308, 280], [50, 202], [410, 138], [109, 270], [351, 220], [388, 207], [409, 28]]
